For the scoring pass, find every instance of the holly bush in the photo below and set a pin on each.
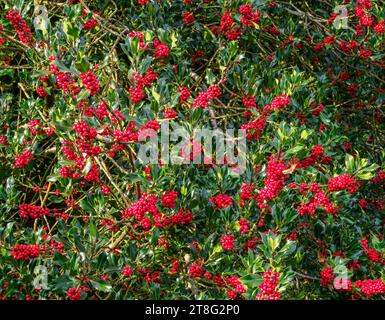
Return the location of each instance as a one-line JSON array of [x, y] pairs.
[[81, 217]]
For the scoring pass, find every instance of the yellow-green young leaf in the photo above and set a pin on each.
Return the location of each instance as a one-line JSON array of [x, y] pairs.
[[281, 135], [294, 150], [156, 95], [305, 134], [147, 36], [173, 40], [41, 21], [70, 30], [349, 163], [273, 243], [87, 167], [256, 26], [134, 45], [363, 163], [365, 175], [218, 248], [183, 191], [372, 167], [210, 77]]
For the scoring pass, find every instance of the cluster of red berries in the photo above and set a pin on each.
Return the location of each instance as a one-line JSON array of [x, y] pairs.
[[101, 112], [362, 13], [145, 204], [380, 176], [127, 135], [274, 183], [319, 199], [380, 27], [226, 26], [136, 90], [127, 271], [182, 217], [327, 276], [93, 174], [371, 253], [87, 148], [90, 24], [227, 242], [169, 113], [22, 159], [221, 201], [106, 190], [74, 293], [184, 94], [249, 17], [41, 92], [316, 111], [35, 127], [25, 251], [249, 102], [316, 153], [278, 103], [2, 40], [243, 226], [246, 192], [254, 128], [110, 224], [343, 182], [90, 82], [188, 17], [374, 255], [370, 287], [196, 271], [85, 131], [32, 211], [66, 82], [153, 277], [136, 93], [269, 286], [236, 284], [52, 245], [67, 172], [169, 199], [161, 49], [205, 97], [22, 29], [202, 100], [192, 151], [175, 266]]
